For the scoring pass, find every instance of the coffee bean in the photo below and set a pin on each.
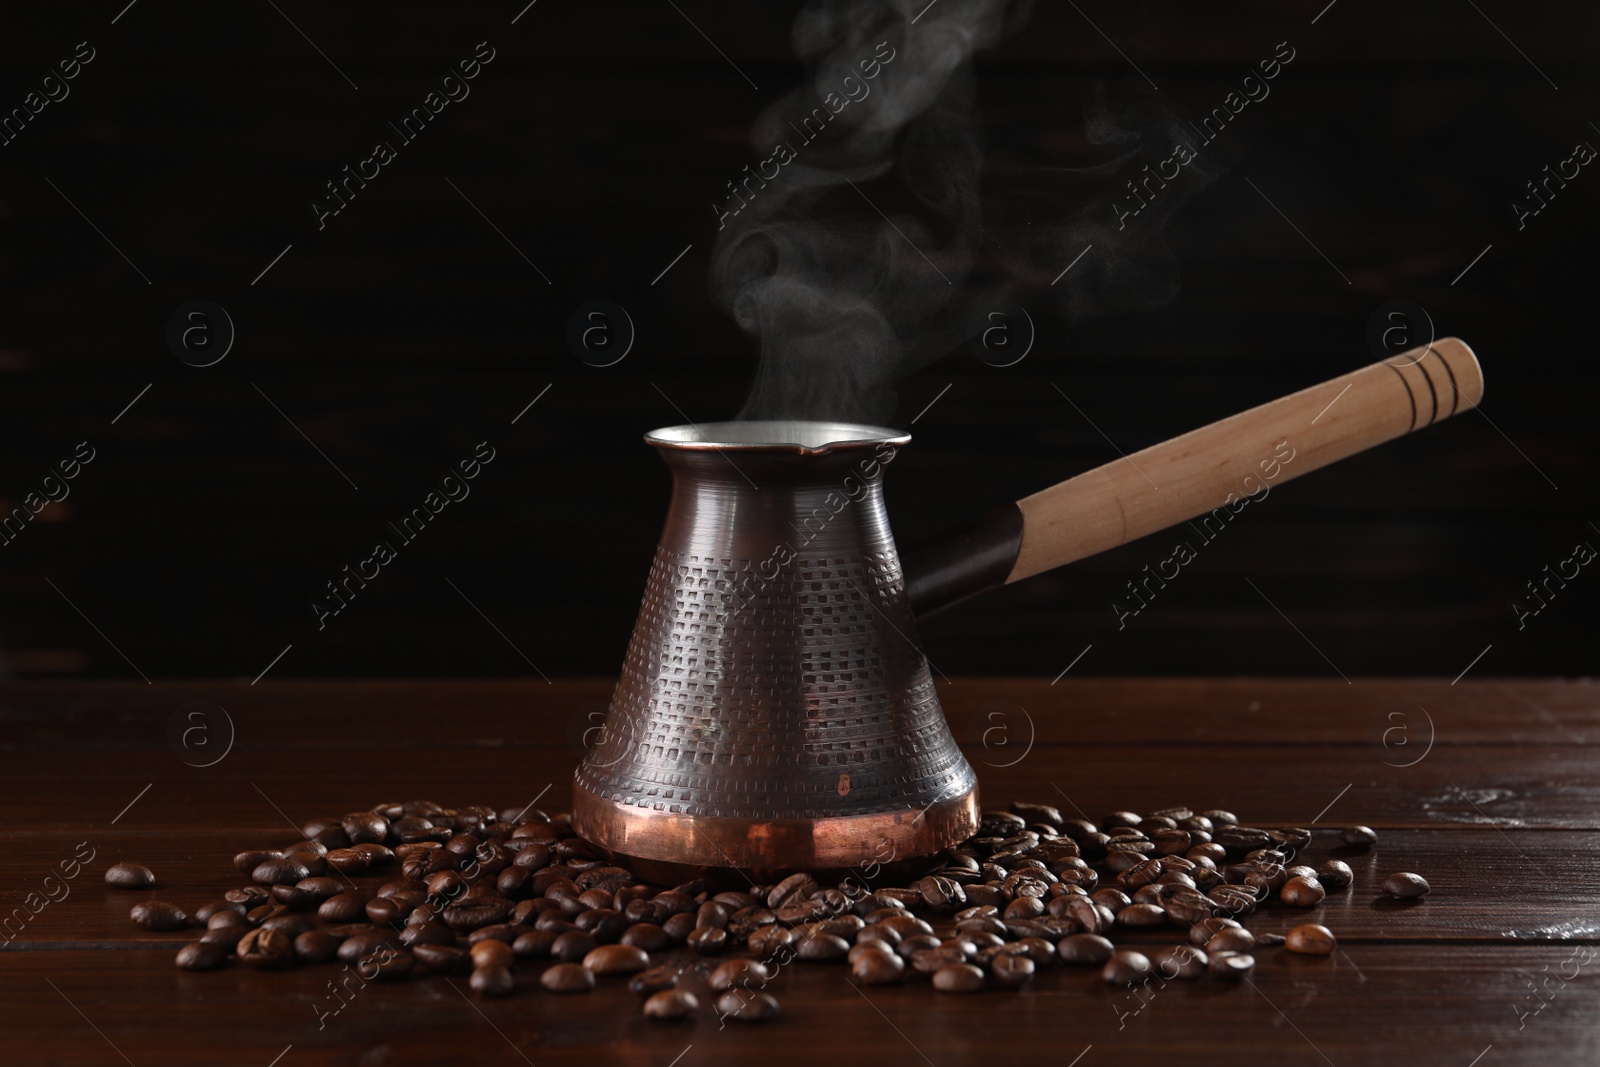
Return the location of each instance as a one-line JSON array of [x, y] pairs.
[[1180, 961], [746, 1007], [223, 919], [265, 949], [158, 915], [617, 960], [822, 948], [1010, 969], [1406, 886], [202, 956], [792, 890], [443, 959], [469, 913], [670, 1004], [1233, 939], [708, 940], [1125, 967], [573, 946], [1302, 892], [1362, 837], [1235, 965], [1335, 874], [1311, 939], [315, 946], [343, 908], [769, 940], [491, 953], [735, 974], [497, 981], [365, 943], [567, 978], [364, 826], [1142, 915], [284, 870], [1090, 949], [654, 980], [877, 967], [250, 896], [1206, 929], [130, 876], [958, 978], [348, 860]]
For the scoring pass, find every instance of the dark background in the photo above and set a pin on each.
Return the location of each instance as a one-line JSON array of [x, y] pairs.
[[409, 330]]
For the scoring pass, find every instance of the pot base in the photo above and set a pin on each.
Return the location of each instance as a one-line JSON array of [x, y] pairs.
[[862, 844]]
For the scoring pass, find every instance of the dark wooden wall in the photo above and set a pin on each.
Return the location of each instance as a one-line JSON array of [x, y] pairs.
[[409, 330]]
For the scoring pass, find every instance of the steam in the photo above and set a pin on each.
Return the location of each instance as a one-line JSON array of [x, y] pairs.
[[880, 240]]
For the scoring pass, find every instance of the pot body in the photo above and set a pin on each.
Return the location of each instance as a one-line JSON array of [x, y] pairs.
[[774, 711]]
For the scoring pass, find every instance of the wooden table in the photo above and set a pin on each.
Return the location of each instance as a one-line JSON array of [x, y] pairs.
[[1490, 789]]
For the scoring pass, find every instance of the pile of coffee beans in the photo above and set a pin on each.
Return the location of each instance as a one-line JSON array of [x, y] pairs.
[[416, 887]]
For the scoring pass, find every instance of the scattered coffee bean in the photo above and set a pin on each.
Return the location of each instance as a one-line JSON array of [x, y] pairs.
[[670, 1004], [1180, 961], [315, 946], [1311, 939], [1302, 892], [616, 959], [158, 915], [497, 981], [567, 978], [1125, 967], [877, 967], [265, 949], [1335, 875], [202, 956], [491, 953], [1359, 836], [1010, 969], [1406, 886], [442, 959], [958, 978], [1235, 965], [130, 876], [747, 1007], [742, 973]]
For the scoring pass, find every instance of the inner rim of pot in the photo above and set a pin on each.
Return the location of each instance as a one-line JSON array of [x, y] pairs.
[[776, 435]]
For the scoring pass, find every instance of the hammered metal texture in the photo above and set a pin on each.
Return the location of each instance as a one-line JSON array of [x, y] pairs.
[[765, 690]]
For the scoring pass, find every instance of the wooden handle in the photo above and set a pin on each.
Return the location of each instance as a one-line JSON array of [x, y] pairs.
[[1212, 471]]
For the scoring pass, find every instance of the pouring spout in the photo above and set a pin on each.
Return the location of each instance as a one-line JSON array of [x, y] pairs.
[[968, 559]]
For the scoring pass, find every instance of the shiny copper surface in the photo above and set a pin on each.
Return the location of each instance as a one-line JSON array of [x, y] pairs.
[[774, 710]]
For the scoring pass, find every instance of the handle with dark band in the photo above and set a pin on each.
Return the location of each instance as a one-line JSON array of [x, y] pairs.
[[1197, 473]]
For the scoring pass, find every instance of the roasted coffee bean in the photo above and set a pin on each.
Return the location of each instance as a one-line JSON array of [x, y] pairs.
[[708, 940], [491, 953], [158, 915], [286, 870], [1125, 967], [222, 919], [379, 855], [363, 826], [430, 933], [1295, 837], [1241, 839], [130, 876], [202, 956], [573, 946], [1084, 949], [1302, 892], [646, 936], [1263, 940], [469, 913], [365, 943], [1405, 885], [769, 940], [1142, 915], [567, 978], [226, 936], [348, 860], [617, 960], [265, 949], [654, 980], [1311, 939], [958, 978], [250, 896], [743, 973], [822, 948], [1010, 969], [877, 967], [747, 1007], [792, 890], [1362, 837], [1211, 851], [670, 1004], [443, 959], [1235, 965], [343, 908], [1232, 939], [292, 896], [497, 981], [1206, 929], [1180, 961], [534, 944], [315, 946], [1335, 875]]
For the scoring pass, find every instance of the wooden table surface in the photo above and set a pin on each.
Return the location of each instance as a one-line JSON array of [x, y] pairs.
[[1488, 788]]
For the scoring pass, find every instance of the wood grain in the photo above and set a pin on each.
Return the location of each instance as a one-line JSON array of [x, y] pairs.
[[1514, 862]]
